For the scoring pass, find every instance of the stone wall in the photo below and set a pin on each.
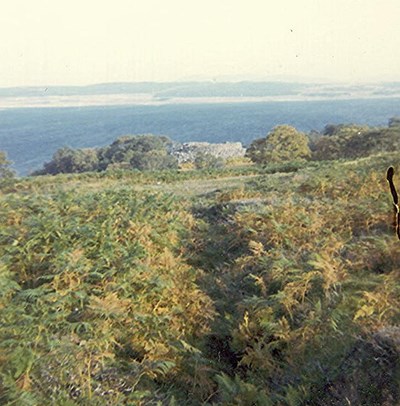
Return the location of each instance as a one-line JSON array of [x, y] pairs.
[[188, 151]]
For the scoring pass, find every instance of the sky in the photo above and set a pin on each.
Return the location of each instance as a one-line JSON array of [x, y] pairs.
[[79, 42]]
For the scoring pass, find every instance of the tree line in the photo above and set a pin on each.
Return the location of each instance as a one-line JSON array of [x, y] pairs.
[[141, 152], [337, 141], [282, 144]]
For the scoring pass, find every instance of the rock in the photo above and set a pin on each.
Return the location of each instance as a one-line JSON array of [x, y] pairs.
[[188, 151]]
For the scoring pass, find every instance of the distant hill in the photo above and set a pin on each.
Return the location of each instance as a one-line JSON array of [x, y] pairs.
[[211, 89]]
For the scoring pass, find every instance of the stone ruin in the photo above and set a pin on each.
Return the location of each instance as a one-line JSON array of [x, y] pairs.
[[188, 151]]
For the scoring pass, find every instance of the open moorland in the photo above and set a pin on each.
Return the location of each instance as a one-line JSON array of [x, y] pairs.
[[245, 285]]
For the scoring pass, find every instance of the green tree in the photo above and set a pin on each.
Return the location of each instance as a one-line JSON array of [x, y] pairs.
[[68, 160], [5, 171], [284, 143], [346, 141], [153, 160], [143, 152]]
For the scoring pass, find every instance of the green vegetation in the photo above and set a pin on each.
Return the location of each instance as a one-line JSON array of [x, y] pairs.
[[286, 144], [143, 152], [207, 161], [245, 285], [104, 292], [353, 141], [68, 160], [5, 171], [283, 144]]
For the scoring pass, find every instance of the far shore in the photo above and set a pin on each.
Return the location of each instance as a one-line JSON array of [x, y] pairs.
[[149, 100]]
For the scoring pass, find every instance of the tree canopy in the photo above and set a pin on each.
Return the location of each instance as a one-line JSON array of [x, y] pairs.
[[143, 152], [354, 141], [68, 160], [284, 143]]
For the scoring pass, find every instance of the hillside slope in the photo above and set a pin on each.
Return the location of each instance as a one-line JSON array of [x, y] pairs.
[[249, 286]]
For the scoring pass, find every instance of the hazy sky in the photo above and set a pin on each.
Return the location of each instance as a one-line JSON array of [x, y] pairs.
[[47, 42]]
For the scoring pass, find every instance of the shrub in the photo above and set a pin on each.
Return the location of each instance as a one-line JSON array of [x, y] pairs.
[[282, 144], [5, 171], [207, 161]]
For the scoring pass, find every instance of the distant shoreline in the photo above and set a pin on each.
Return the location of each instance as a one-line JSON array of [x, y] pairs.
[[109, 100]]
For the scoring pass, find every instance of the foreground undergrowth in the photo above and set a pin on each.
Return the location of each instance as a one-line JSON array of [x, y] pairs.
[[271, 292], [97, 303]]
